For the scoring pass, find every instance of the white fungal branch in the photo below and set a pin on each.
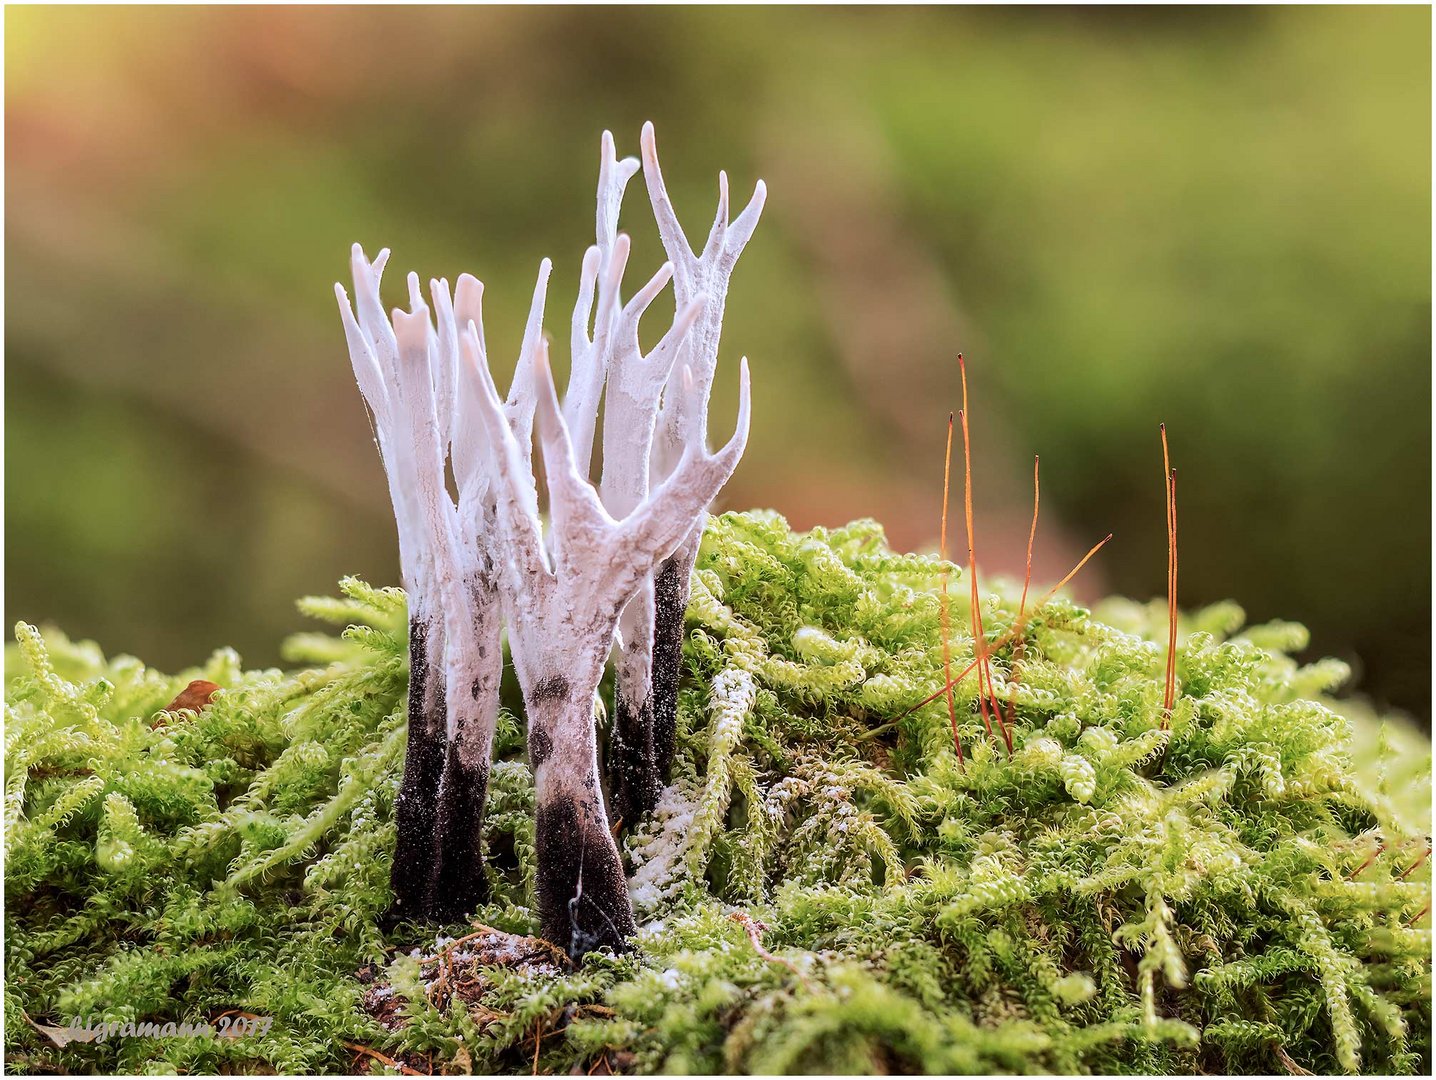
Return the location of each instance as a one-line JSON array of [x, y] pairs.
[[651, 628], [416, 382], [468, 449], [373, 353], [706, 274], [414, 419], [472, 660], [603, 266], [635, 386], [520, 403]]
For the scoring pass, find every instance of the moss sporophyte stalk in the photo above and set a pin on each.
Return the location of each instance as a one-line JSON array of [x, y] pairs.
[[851, 810]]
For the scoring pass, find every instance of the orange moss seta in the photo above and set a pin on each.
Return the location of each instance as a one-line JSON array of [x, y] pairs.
[[974, 611], [1169, 687], [1369, 860], [1407, 872], [1172, 607], [1016, 629], [989, 704], [1032, 533], [986, 693]]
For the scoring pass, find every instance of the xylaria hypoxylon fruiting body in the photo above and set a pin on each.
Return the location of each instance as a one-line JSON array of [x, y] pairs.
[[609, 570]]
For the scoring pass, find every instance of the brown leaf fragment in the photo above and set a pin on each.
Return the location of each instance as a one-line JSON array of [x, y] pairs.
[[192, 698], [63, 1036], [385, 1059]]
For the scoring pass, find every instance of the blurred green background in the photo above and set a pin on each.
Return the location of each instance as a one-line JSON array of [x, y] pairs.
[[1219, 218]]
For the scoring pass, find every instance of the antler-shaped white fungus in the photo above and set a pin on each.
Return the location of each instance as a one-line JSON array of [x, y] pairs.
[[702, 274], [603, 266], [651, 638], [635, 387], [562, 596], [562, 593]]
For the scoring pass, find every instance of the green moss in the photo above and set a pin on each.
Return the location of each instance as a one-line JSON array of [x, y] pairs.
[[1112, 897]]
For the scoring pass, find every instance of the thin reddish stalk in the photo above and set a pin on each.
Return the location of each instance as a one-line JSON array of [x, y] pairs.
[[1098, 546], [1016, 629], [1026, 583], [1172, 607], [946, 633], [974, 610], [1407, 872], [1419, 915], [986, 695], [1032, 533], [1169, 484], [1369, 860], [1167, 508]]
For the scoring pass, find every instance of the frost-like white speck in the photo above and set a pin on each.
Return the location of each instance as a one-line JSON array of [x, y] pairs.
[[660, 853]]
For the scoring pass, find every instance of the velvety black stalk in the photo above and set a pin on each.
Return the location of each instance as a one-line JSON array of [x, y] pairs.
[[670, 600], [582, 893], [415, 808], [459, 884], [632, 767]]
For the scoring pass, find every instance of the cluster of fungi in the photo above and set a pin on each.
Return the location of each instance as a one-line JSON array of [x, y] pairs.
[[607, 572]]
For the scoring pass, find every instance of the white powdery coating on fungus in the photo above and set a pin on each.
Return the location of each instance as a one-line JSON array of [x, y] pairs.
[[425, 376]]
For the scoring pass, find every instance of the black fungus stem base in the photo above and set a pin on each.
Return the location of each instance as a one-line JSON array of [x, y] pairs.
[[632, 771], [670, 603], [416, 807], [459, 884], [582, 895]]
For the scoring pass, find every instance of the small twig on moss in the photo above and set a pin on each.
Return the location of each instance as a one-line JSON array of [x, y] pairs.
[[1287, 1063], [385, 1059], [754, 930]]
